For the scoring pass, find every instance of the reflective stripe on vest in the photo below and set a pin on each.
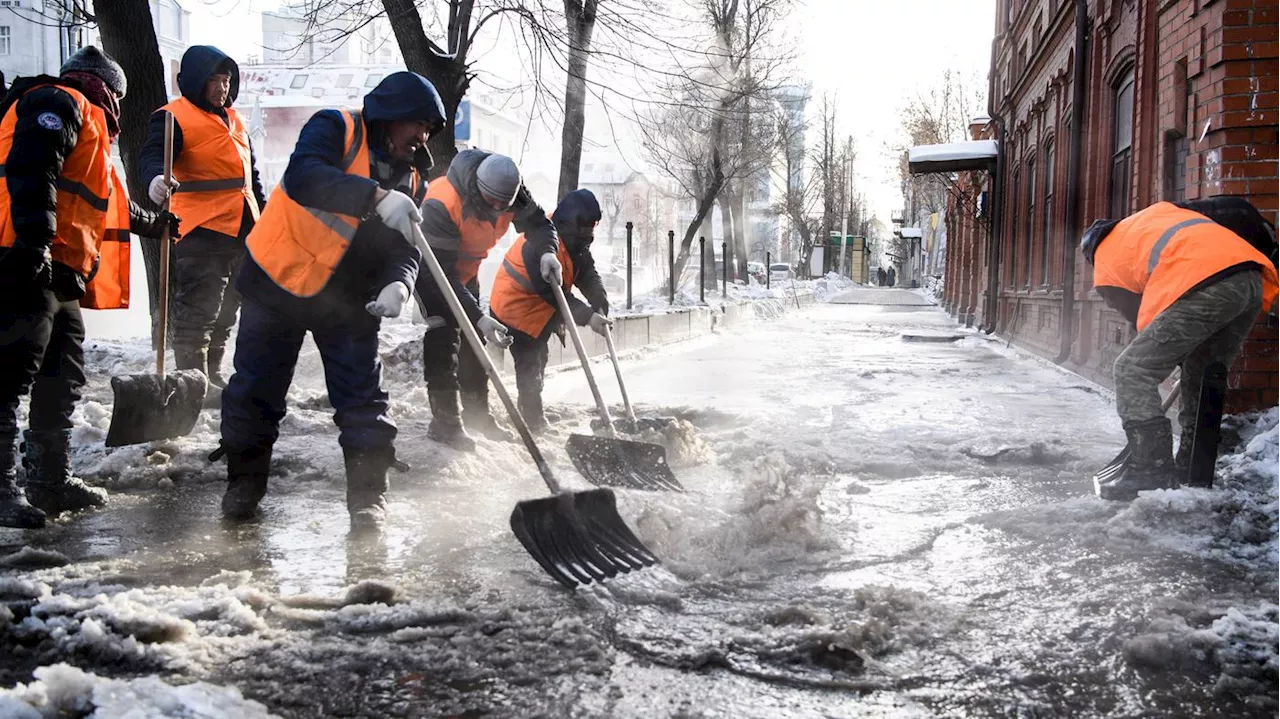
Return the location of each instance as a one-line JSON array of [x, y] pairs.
[[476, 236], [1154, 258], [299, 247], [214, 170], [91, 200]]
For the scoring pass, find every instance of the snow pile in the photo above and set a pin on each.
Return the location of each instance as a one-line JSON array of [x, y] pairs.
[[833, 284], [61, 690], [685, 447]]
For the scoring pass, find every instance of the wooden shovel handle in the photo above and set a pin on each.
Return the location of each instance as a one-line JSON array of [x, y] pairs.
[[163, 320]]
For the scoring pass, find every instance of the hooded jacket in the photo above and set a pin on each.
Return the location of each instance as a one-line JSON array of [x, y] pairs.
[[445, 237], [378, 255], [199, 63]]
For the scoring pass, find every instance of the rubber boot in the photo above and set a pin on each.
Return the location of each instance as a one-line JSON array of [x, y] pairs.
[[446, 421], [1150, 464], [247, 471], [46, 459], [214, 359], [15, 511], [531, 411], [477, 417], [191, 358], [367, 486], [1182, 458]]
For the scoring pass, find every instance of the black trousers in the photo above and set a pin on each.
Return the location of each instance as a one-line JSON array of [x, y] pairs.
[[41, 353], [529, 356], [447, 360], [205, 300]]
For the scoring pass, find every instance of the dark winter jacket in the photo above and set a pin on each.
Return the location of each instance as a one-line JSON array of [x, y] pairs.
[[529, 219], [377, 256], [199, 63], [575, 219], [34, 164]]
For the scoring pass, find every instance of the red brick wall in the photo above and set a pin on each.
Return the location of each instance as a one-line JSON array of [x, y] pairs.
[[1194, 62]]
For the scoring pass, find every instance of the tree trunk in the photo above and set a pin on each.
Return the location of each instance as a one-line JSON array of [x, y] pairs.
[[729, 222], [448, 71], [581, 19], [738, 245], [129, 37]]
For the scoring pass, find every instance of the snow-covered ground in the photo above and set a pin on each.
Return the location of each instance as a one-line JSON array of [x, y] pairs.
[[873, 527]]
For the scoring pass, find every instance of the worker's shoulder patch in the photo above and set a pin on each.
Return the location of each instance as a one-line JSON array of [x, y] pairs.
[[49, 121]]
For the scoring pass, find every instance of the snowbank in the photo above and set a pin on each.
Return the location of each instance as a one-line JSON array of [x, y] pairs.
[[61, 690]]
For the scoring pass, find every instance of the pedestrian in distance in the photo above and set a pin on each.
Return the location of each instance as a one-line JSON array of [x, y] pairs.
[[465, 214], [1192, 288], [332, 255], [217, 193], [524, 302], [55, 146]]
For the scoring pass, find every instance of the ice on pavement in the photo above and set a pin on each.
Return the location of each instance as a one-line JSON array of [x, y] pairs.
[[872, 528]]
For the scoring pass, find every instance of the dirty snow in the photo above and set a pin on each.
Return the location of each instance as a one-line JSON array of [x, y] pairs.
[[872, 528]]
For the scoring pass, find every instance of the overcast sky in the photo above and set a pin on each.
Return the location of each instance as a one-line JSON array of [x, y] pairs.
[[871, 56]]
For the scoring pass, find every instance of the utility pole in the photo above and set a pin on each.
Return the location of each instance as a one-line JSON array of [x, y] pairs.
[[844, 202]]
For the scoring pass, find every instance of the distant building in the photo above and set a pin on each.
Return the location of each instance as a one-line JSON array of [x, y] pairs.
[[36, 37], [306, 35]]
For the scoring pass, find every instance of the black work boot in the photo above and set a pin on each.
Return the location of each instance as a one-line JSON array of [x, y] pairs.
[[531, 411], [1150, 464], [1182, 458], [15, 511], [446, 421], [214, 360], [367, 486], [477, 417], [247, 471], [46, 461]]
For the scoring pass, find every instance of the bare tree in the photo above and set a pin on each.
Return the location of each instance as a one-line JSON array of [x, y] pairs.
[[580, 20], [703, 138]]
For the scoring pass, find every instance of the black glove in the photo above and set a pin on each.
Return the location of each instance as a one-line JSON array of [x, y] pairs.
[[26, 267], [165, 216]]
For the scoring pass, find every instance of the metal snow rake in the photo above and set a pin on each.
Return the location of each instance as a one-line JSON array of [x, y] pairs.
[[577, 537], [611, 461]]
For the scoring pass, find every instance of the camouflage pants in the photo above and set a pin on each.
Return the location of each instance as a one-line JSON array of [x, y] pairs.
[[1207, 325]]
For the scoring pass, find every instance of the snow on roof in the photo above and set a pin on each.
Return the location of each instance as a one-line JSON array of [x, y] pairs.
[[910, 233], [952, 157], [980, 119]]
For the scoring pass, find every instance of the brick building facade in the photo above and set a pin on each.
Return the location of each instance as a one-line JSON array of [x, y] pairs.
[[1180, 102]]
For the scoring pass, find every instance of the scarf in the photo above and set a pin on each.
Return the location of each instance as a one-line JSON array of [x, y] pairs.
[[97, 92]]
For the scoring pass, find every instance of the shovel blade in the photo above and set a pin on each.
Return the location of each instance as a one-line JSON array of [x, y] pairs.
[[613, 462], [147, 408], [579, 537]]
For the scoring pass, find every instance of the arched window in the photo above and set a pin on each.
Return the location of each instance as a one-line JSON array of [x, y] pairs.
[[1012, 276], [1046, 239], [1029, 233], [1122, 144]]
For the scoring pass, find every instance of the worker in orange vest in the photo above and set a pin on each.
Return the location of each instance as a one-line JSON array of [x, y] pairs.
[[465, 214], [332, 254], [55, 146], [1193, 289], [524, 303], [216, 192]]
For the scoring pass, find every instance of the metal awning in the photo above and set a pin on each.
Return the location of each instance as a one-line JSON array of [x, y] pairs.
[[952, 157], [910, 233]]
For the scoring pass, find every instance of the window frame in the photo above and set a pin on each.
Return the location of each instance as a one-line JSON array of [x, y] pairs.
[[1029, 221], [1120, 180], [6, 40], [1046, 239]]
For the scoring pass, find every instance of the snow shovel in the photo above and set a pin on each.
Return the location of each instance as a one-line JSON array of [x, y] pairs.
[[149, 407], [611, 461], [630, 424], [1117, 465], [577, 537]]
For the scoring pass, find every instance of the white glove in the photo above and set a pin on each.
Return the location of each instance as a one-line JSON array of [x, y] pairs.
[[158, 192], [494, 331], [390, 301], [399, 212], [599, 323], [550, 268]]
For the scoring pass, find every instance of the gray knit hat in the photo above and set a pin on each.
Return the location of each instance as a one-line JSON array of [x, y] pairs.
[[95, 62], [498, 179]]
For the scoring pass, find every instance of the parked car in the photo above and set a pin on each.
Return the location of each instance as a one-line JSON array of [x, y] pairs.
[[779, 272], [756, 270]]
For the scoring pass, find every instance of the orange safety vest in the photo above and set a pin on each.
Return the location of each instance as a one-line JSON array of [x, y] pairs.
[[91, 230], [478, 236], [299, 247], [214, 168], [1164, 251], [515, 302]]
